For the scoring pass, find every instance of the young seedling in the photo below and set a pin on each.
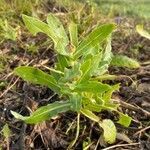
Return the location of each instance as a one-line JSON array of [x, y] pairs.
[[74, 76], [6, 132]]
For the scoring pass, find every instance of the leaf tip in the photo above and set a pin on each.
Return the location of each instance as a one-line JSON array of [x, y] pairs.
[[17, 115], [24, 16]]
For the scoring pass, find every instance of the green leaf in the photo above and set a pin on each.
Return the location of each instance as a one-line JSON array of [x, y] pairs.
[[124, 119], [90, 104], [53, 29], [35, 26], [58, 34], [110, 106], [71, 74], [57, 28], [96, 36], [57, 74], [62, 61], [92, 86], [107, 96], [106, 59], [109, 130], [124, 61], [92, 51], [87, 143], [142, 32], [89, 67], [37, 76], [90, 115], [76, 101], [97, 103], [45, 112], [6, 131], [73, 32], [60, 65], [85, 69], [95, 63], [105, 77]]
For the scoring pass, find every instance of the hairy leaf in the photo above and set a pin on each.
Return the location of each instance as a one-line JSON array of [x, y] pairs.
[[37, 76], [124, 61], [45, 112]]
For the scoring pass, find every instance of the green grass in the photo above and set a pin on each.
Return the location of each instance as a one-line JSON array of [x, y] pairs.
[[138, 8]]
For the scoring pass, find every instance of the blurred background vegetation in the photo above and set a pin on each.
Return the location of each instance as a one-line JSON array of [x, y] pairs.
[[86, 13], [135, 8]]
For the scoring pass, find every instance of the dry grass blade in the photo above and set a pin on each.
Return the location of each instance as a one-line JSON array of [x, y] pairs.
[[120, 145], [142, 130], [9, 87]]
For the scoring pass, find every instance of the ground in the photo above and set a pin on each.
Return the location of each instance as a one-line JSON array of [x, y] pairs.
[[57, 133]]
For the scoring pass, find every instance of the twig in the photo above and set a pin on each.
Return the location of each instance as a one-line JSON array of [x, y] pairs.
[[8, 88], [142, 130], [132, 107], [97, 143], [77, 132], [7, 140], [8, 75], [120, 145], [146, 112], [127, 105]]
